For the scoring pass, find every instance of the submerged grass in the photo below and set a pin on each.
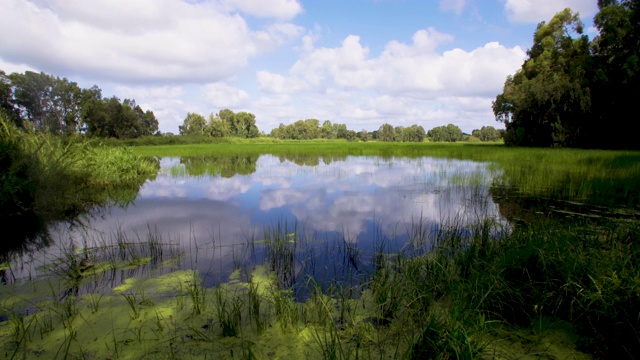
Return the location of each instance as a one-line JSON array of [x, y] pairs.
[[480, 292]]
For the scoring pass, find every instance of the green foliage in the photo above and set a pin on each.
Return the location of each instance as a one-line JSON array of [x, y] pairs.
[[45, 103], [193, 124], [449, 133], [49, 103], [226, 123], [386, 132], [569, 89]]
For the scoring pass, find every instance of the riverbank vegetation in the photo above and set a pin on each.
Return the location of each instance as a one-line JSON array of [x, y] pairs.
[[48, 178]]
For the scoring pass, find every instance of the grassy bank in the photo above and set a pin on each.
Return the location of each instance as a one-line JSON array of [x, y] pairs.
[[47, 178]]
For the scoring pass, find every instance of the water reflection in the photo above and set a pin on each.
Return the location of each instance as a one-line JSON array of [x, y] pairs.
[[220, 211], [357, 199]]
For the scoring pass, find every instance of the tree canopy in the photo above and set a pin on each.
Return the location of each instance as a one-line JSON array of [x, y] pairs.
[[449, 133], [56, 105], [570, 91]]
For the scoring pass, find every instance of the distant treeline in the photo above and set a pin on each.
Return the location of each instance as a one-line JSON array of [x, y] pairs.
[[54, 105], [243, 124], [42, 102], [574, 92]]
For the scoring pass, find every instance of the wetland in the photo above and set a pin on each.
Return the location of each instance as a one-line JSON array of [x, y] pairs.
[[339, 250]]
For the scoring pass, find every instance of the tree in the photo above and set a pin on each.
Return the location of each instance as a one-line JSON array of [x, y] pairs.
[[6, 100], [414, 133], [544, 103], [94, 115], [486, 133], [193, 124], [616, 74], [449, 133], [363, 135], [398, 133], [50, 103], [245, 125], [327, 130], [386, 132], [217, 128]]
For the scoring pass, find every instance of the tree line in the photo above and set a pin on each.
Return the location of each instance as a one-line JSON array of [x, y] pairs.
[[574, 92], [47, 103], [243, 124]]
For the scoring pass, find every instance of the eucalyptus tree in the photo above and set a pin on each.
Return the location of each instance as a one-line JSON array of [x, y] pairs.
[[50, 104], [616, 78]]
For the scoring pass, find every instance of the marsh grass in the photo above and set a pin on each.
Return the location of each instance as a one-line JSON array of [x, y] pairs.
[[47, 178], [461, 290]]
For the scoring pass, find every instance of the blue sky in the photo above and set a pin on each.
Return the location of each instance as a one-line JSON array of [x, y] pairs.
[[358, 62]]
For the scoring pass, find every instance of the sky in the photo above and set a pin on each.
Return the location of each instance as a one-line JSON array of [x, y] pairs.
[[362, 63]]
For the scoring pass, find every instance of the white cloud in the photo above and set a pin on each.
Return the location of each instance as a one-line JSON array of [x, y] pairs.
[[9, 68], [276, 35], [534, 11], [281, 9], [457, 6], [403, 85], [135, 41], [223, 96]]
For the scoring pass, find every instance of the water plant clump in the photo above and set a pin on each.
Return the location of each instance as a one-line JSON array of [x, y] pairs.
[[47, 178]]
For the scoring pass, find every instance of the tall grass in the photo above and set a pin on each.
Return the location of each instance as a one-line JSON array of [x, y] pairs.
[[45, 178]]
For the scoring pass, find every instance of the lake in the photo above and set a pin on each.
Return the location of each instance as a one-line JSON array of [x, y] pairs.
[[218, 212]]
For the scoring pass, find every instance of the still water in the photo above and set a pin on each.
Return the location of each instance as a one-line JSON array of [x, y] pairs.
[[336, 209]]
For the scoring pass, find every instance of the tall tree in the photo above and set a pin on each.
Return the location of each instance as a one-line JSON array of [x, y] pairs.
[[50, 103], [193, 124], [6, 100], [94, 117], [616, 73], [386, 132], [544, 103]]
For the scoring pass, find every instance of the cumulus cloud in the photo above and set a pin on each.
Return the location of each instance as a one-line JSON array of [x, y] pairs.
[[136, 41], [404, 84], [223, 96], [534, 11], [401, 68]]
